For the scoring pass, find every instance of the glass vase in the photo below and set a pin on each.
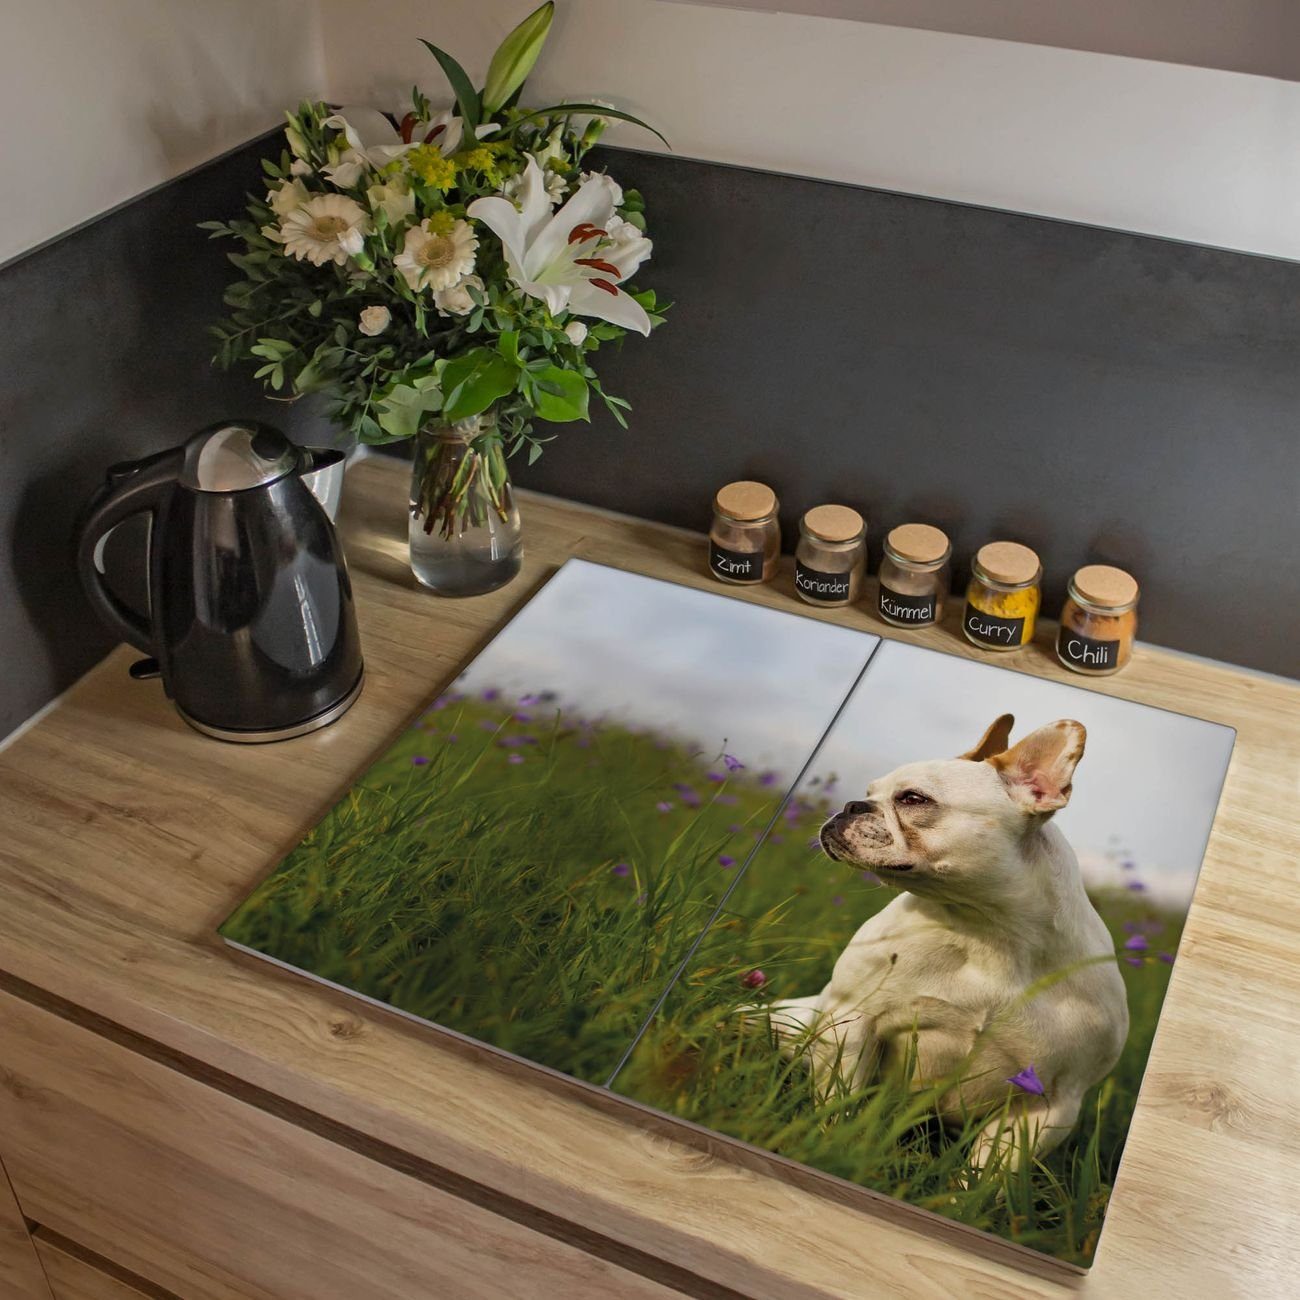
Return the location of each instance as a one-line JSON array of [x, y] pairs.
[[464, 531]]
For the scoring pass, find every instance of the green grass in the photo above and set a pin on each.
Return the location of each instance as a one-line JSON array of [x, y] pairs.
[[542, 904]]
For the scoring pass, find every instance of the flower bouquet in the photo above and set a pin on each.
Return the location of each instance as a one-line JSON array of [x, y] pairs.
[[445, 277]]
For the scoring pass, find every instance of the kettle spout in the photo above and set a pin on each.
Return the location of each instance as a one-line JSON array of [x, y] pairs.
[[322, 472]]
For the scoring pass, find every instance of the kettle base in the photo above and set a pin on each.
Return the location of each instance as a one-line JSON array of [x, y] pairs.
[[241, 737]]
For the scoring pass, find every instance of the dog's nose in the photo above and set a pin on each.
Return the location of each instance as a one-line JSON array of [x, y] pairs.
[[858, 807]]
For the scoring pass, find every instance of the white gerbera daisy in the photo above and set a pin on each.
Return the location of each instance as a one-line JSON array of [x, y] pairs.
[[430, 260], [324, 229]]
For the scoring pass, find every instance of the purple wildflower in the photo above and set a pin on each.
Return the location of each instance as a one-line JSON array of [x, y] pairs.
[[838, 900], [453, 739], [754, 979], [515, 758], [1128, 864], [726, 860], [870, 877], [491, 694], [1027, 1080], [439, 704], [1134, 961], [814, 841], [621, 869], [727, 800], [527, 700], [731, 763], [1136, 886], [1166, 957], [523, 717], [778, 839], [735, 828], [664, 806], [766, 779], [419, 760], [715, 777], [1135, 943], [487, 725]]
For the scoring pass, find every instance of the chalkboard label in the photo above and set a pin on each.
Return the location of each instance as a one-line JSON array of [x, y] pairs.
[[817, 585], [736, 566], [895, 607], [1084, 652], [989, 629]]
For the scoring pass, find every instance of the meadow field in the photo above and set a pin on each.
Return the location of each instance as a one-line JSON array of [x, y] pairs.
[[533, 878]]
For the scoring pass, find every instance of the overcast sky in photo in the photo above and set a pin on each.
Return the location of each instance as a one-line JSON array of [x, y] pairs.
[[765, 684], [708, 669]]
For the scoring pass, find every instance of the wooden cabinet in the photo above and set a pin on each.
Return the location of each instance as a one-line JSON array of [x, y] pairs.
[[175, 1116], [215, 1199]]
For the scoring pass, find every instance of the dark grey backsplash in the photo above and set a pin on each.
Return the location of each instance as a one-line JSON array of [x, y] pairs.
[[1096, 394], [103, 357]]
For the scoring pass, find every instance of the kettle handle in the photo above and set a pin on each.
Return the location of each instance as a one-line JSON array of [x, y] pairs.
[[132, 488]]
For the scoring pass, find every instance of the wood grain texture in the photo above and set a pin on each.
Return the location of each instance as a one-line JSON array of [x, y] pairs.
[[21, 1276], [73, 1276], [129, 838], [216, 1200]]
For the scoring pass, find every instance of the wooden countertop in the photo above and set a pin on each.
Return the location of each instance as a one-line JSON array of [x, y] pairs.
[[128, 837]]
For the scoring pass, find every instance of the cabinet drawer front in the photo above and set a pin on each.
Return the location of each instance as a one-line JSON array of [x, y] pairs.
[[71, 1278], [216, 1199]]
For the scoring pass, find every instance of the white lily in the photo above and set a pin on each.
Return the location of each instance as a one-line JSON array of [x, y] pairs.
[[559, 257], [373, 142]]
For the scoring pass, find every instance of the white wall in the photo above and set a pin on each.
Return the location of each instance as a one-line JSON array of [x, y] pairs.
[[1186, 152], [102, 99]]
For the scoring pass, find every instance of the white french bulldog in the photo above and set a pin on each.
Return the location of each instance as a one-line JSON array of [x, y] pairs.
[[991, 960]]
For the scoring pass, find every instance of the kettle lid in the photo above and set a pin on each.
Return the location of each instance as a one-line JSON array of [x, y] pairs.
[[234, 455]]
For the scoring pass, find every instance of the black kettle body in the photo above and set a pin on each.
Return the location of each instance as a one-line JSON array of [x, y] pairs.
[[251, 617]]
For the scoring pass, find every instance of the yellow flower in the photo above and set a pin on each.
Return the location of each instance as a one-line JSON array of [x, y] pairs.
[[440, 222], [426, 162]]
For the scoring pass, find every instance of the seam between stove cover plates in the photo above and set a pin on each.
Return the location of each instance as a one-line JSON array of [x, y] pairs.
[[689, 955]]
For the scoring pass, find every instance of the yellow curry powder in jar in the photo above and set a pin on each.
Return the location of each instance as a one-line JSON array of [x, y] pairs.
[[1098, 621], [1003, 597], [745, 540]]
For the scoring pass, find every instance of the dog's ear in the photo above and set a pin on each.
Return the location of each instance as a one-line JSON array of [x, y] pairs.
[[994, 740], [1038, 770]]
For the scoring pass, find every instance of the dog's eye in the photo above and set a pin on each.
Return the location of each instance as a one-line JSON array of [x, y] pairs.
[[913, 798]]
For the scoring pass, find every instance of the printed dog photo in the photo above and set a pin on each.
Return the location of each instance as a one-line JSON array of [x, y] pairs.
[[811, 890], [940, 976]]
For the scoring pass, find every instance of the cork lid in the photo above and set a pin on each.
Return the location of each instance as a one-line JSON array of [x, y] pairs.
[[834, 523], [745, 500], [1103, 584], [1008, 562], [920, 543]]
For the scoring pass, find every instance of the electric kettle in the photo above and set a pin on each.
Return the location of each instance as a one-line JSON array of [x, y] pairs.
[[251, 619]]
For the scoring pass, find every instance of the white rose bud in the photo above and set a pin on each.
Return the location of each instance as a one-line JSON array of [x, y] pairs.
[[374, 320], [352, 241], [576, 332]]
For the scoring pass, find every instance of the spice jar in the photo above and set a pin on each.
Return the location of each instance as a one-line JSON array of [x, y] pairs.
[[831, 556], [1003, 597], [1099, 620], [745, 540], [915, 575]]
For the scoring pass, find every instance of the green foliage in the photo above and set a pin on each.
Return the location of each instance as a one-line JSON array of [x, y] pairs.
[[542, 905]]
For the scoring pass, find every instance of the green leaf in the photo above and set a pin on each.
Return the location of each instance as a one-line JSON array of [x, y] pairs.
[[462, 88], [403, 408], [472, 382], [508, 346], [559, 395], [595, 110], [516, 56]]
